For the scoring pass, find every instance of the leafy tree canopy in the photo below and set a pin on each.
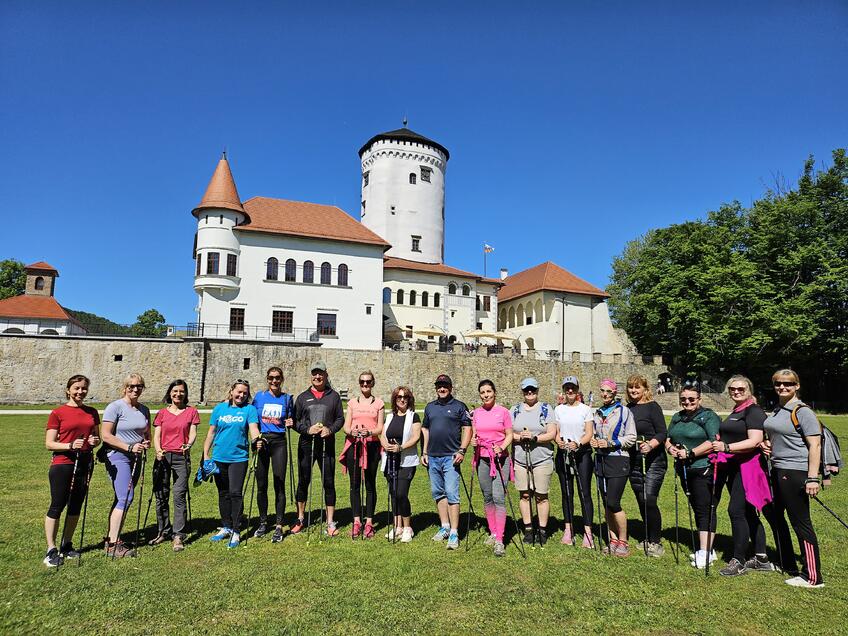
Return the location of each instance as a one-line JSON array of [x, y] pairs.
[[12, 278]]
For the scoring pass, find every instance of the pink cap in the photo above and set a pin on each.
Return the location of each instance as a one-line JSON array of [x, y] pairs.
[[610, 384]]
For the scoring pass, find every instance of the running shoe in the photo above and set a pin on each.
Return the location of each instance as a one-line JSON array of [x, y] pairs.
[[406, 535], [490, 540], [118, 550], [500, 550], [235, 540], [159, 538], [755, 564], [68, 551], [178, 545], [369, 531], [542, 536], [278, 535], [223, 533], [700, 561], [262, 530], [331, 530], [800, 581], [567, 538], [356, 530], [621, 548], [52, 559], [734, 567], [453, 540], [298, 526], [655, 550], [529, 536], [442, 534]]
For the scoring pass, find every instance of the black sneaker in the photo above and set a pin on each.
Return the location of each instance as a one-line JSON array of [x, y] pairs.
[[529, 536], [733, 568], [68, 551], [278, 535], [542, 536], [759, 564], [52, 559], [262, 530]]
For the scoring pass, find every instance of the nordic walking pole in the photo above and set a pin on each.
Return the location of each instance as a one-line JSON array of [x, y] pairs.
[[85, 509], [312, 442], [323, 490], [532, 479], [468, 514], [395, 478], [642, 440], [187, 462], [676, 516], [600, 504], [157, 464], [468, 494], [569, 496], [511, 509], [710, 532], [291, 462], [252, 485], [688, 499], [581, 498], [362, 495], [835, 516], [70, 494], [776, 532], [126, 504], [140, 497]]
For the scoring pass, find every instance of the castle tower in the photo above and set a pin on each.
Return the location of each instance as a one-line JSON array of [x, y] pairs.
[[216, 249], [40, 279], [403, 193]]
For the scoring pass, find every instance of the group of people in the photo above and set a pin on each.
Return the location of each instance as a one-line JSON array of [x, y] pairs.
[[767, 463]]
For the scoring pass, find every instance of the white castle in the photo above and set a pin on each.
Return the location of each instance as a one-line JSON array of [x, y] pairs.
[[290, 271]]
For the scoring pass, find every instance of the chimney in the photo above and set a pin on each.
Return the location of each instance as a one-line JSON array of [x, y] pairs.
[[504, 273]]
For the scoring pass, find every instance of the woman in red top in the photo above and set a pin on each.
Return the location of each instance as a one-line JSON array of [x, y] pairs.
[[72, 431], [174, 432], [361, 454]]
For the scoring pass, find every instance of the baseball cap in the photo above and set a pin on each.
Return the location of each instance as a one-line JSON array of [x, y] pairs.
[[528, 382], [319, 366], [443, 378], [571, 379]]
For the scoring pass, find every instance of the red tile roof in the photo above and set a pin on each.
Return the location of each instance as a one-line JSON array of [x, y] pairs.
[[43, 267], [24, 306], [221, 191], [390, 262], [297, 218], [548, 276]]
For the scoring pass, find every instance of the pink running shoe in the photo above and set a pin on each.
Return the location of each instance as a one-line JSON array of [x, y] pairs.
[[588, 542], [357, 529], [369, 531], [567, 537]]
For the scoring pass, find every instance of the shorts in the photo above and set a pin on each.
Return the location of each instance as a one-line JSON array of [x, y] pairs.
[[541, 476], [444, 479]]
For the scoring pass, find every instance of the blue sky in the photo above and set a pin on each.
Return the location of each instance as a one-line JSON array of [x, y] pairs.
[[573, 127]]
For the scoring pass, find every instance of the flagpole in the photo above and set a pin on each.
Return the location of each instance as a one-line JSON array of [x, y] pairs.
[[484, 260]]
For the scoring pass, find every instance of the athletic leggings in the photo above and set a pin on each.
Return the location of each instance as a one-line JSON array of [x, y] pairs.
[[119, 465], [699, 485], [321, 450], [790, 495], [401, 497], [612, 472], [273, 455], [655, 469], [61, 494], [494, 493], [230, 482], [372, 451], [583, 460], [176, 468]]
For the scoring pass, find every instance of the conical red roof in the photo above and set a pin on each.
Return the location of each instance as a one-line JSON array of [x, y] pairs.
[[221, 192], [43, 267]]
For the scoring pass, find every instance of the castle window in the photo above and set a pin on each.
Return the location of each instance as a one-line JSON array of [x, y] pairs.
[[365, 181], [282, 321], [452, 289], [308, 272], [39, 283], [477, 303], [424, 299], [416, 243], [272, 269], [425, 174], [412, 297], [221, 220], [212, 259], [342, 275], [291, 270], [326, 273], [466, 290], [392, 209], [367, 310], [387, 295], [326, 324], [399, 300], [436, 298], [487, 303], [197, 268], [412, 178], [231, 264], [237, 319]]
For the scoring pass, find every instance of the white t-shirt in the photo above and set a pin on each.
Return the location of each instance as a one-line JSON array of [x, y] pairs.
[[572, 420]]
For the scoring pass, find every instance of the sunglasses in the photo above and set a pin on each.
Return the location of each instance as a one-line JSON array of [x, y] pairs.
[[789, 385], [607, 392], [273, 378], [737, 389], [689, 400], [530, 389], [569, 389], [402, 397], [136, 387], [366, 382]]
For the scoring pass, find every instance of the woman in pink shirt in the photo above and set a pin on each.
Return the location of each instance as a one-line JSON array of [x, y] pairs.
[[361, 453], [491, 425], [174, 432]]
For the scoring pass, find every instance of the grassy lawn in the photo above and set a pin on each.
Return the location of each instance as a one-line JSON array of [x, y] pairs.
[[342, 587]]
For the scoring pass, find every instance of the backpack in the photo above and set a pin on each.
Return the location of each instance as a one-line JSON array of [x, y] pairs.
[[543, 412], [831, 455]]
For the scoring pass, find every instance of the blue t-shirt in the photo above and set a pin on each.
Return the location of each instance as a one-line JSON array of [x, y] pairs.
[[273, 411], [444, 421], [231, 431]]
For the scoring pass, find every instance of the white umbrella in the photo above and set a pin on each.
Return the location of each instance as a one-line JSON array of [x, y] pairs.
[[505, 335], [479, 333], [429, 331]]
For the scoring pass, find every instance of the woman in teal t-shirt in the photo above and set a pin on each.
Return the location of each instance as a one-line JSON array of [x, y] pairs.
[[233, 425], [689, 442]]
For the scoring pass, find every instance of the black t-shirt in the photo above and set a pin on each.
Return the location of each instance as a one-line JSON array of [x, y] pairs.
[[736, 426], [650, 422], [395, 428]]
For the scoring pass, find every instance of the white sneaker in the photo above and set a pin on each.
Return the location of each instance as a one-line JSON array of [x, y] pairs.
[[406, 536], [700, 560], [442, 534], [800, 581], [235, 540]]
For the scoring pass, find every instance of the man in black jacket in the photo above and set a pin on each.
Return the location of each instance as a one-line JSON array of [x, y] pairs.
[[318, 417]]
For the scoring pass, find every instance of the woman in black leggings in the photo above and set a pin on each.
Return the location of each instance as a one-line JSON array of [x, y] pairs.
[[72, 431], [400, 440], [648, 464]]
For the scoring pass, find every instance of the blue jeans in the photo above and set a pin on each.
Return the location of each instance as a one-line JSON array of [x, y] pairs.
[[444, 479]]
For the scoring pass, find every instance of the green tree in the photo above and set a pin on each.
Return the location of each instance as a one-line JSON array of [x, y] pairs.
[[12, 278], [150, 323]]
